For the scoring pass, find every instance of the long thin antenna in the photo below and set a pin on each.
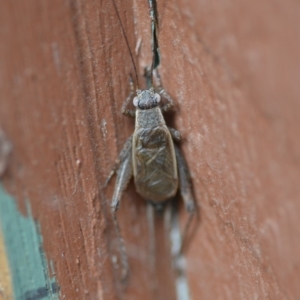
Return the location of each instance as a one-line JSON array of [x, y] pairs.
[[136, 76]]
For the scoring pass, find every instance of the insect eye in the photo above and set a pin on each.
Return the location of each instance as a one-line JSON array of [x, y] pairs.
[[135, 101], [157, 97]]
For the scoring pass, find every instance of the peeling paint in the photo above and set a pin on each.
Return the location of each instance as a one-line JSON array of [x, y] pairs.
[[23, 257]]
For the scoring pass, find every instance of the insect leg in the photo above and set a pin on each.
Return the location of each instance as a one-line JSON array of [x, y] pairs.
[[185, 186], [123, 154], [125, 111], [161, 90], [175, 134], [150, 220], [185, 181], [124, 174], [152, 244]]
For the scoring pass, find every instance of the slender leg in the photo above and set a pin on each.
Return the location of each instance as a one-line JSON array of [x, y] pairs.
[[185, 182], [125, 111], [123, 154], [124, 258], [152, 244], [175, 134], [150, 220], [185, 186], [169, 105], [161, 90], [124, 174], [168, 216]]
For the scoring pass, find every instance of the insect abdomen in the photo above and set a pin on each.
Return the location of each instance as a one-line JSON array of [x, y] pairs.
[[154, 163]]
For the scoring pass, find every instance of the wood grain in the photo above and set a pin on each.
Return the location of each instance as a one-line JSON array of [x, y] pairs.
[[233, 69]]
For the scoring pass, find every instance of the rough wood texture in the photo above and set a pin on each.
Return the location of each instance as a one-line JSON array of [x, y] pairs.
[[233, 68]]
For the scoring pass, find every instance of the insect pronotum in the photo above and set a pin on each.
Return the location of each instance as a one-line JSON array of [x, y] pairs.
[[150, 155]]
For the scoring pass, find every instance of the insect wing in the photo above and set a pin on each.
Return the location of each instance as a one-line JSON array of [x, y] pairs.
[[154, 163]]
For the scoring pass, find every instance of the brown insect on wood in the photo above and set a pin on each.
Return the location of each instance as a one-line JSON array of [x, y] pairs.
[[150, 155]]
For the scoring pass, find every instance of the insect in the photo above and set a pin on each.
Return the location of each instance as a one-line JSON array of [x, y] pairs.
[[151, 154]]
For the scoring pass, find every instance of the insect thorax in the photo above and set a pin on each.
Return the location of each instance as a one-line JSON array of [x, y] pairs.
[[149, 118]]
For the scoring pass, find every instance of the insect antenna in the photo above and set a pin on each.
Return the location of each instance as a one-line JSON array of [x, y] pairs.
[[127, 43]]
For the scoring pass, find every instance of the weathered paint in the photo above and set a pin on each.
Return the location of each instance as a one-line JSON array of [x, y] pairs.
[[23, 264], [6, 292]]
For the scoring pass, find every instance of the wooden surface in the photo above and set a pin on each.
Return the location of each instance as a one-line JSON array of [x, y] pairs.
[[233, 68]]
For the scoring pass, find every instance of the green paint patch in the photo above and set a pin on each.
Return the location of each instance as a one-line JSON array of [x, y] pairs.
[[24, 248]]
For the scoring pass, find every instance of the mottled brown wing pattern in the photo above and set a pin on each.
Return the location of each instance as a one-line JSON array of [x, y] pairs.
[[155, 169]]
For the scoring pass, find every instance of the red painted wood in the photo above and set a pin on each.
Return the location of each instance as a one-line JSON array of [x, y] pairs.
[[232, 68]]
